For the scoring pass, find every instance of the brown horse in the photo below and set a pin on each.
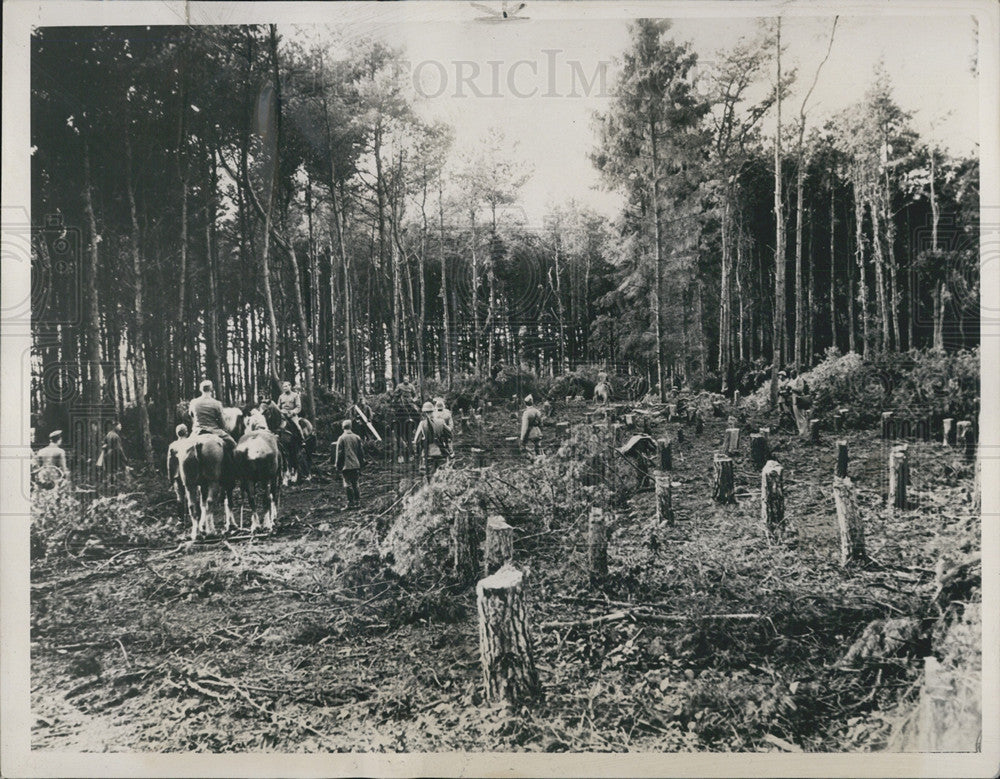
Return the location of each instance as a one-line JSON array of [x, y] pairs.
[[205, 472], [258, 461]]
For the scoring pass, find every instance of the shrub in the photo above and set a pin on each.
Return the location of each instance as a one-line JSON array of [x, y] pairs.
[[62, 525]]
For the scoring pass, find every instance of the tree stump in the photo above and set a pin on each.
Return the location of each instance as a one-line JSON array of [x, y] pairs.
[[597, 545], [664, 457], [499, 547], [852, 530], [505, 646], [838, 421], [841, 471], [772, 500], [463, 544], [923, 429], [759, 453], [724, 487], [671, 411], [948, 432], [966, 440], [630, 421], [731, 442], [736, 397], [899, 477], [479, 457], [814, 431], [664, 498], [888, 427]]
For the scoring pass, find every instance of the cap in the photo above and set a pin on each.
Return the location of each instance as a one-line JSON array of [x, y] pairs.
[[528, 399], [440, 404], [428, 406], [55, 434], [205, 385], [346, 424], [181, 430]]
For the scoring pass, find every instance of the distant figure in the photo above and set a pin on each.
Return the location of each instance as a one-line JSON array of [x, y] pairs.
[[602, 392], [174, 467], [433, 438], [443, 415], [308, 448], [407, 392], [348, 459], [112, 458], [50, 462], [531, 425]]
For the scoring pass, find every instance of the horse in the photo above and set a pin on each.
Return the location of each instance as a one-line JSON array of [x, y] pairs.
[[258, 462], [296, 450], [205, 471]]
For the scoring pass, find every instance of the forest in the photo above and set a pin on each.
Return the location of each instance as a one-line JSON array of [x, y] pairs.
[[241, 207], [748, 515]]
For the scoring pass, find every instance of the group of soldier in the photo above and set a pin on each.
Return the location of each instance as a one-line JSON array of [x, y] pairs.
[[432, 439]]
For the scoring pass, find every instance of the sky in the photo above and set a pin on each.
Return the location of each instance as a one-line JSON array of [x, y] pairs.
[[538, 79]]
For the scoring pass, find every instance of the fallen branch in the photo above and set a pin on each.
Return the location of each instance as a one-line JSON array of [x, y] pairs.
[[640, 614]]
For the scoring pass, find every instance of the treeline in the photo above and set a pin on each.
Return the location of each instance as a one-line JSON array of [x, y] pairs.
[[220, 202]]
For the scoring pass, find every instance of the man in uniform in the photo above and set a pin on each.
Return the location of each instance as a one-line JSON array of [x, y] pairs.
[[206, 414], [50, 462], [348, 458], [407, 392], [174, 466], [434, 438], [112, 458], [531, 425], [443, 415], [290, 406]]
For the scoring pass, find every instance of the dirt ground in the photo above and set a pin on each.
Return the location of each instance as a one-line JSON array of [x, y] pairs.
[[706, 636]]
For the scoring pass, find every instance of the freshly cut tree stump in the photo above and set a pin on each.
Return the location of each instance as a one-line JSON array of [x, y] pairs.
[[731, 443], [505, 646], [772, 500], [724, 488], [852, 530], [899, 477], [966, 440], [948, 432], [499, 544], [759, 450], [664, 498], [838, 421], [841, 472], [814, 431], [463, 544], [736, 397], [888, 426], [597, 545], [479, 457], [664, 457]]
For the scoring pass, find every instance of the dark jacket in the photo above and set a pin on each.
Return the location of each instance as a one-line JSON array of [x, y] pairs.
[[349, 452]]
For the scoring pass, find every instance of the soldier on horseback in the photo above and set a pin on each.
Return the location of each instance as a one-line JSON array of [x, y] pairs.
[[206, 416]]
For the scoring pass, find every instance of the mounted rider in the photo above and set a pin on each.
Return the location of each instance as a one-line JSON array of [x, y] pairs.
[[290, 406], [407, 392], [206, 416]]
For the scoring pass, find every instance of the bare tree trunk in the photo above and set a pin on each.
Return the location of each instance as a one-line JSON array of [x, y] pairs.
[[446, 321], [138, 339], [93, 388], [661, 377], [779, 243], [859, 248], [212, 355], [477, 351], [883, 308], [938, 338], [833, 263], [799, 296]]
